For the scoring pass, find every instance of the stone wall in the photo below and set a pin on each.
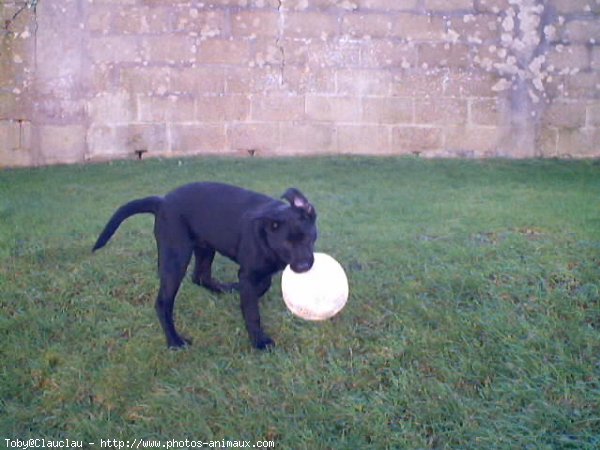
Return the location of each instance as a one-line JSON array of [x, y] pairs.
[[84, 80]]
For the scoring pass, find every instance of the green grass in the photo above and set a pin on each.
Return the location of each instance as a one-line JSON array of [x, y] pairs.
[[473, 320]]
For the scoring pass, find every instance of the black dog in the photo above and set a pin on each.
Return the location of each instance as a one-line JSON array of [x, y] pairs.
[[259, 233]]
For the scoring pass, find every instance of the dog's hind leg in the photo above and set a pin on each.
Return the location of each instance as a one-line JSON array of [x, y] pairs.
[[202, 275], [172, 264]]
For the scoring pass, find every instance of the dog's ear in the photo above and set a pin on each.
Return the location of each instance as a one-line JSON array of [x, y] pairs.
[[298, 200]]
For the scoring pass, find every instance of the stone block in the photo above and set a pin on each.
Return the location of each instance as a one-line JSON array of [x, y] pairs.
[[248, 80], [129, 2], [582, 85], [152, 137], [388, 5], [322, 5], [333, 109], [296, 51], [112, 107], [492, 6], [197, 80], [224, 108], [456, 56], [307, 25], [253, 23], [228, 52], [418, 27], [387, 54], [360, 83], [102, 77], [364, 139], [448, 5], [595, 64], [474, 28], [122, 141], [548, 143], [583, 31], [409, 139], [101, 142], [115, 49], [568, 59], [301, 138], [214, 4], [414, 83], [565, 115], [303, 80], [147, 80], [99, 18], [62, 144], [277, 108], [579, 142], [593, 114], [198, 138], [441, 111], [16, 158], [473, 141], [359, 25], [488, 112], [15, 19], [204, 23], [457, 82], [141, 20], [171, 108], [170, 49], [265, 52], [576, 6], [388, 110], [259, 138], [15, 143], [10, 106], [14, 134], [332, 53], [57, 110]]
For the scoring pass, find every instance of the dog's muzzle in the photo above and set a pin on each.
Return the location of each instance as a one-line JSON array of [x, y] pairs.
[[302, 267]]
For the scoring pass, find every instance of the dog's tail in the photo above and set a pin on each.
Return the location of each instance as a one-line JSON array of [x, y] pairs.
[[143, 205]]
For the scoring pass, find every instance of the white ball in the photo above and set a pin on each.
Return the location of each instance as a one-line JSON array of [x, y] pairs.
[[318, 294]]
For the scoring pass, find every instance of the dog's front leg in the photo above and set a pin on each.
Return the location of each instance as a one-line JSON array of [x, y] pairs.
[[250, 292]]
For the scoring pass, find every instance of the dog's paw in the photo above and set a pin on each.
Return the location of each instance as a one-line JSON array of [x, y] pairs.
[[264, 343], [179, 343]]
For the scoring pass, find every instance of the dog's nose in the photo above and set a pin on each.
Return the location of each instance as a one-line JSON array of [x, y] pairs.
[[302, 267]]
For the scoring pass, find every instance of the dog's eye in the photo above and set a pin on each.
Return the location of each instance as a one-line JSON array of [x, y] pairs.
[[274, 226]]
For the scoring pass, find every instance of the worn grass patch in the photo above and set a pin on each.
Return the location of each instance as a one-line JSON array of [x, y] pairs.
[[473, 321]]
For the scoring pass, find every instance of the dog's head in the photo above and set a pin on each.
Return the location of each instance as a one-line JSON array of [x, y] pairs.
[[291, 231]]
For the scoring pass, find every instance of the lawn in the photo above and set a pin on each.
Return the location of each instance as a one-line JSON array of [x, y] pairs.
[[473, 320]]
